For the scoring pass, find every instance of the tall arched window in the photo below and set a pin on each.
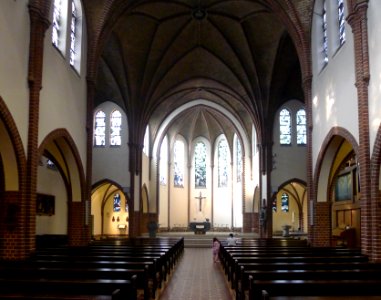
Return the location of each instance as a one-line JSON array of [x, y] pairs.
[[325, 33], [68, 39], [200, 165], [76, 27], [73, 32], [238, 159], [115, 128], [116, 204], [341, 19], [274, 205], [56, 28], [285, 127], [178, 163], [301, 127], [164, 161], [284, 198], [223, 163], [146, 142], [100, 129]]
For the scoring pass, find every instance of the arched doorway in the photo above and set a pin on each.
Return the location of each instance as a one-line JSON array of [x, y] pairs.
[[289, 208], [338, 193], [109, 210]]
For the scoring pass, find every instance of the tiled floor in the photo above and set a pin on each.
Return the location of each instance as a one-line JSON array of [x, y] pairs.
[[196, 277]]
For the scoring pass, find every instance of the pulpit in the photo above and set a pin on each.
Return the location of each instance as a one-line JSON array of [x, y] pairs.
[[199, 227]]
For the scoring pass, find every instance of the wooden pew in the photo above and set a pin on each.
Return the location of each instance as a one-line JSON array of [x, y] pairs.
[[35, 287], [232, 267], [348, 273], [101, 262], [316, 288], [64, 270], [269, 260]]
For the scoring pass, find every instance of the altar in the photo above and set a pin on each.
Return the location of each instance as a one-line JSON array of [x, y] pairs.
[[199, 227]]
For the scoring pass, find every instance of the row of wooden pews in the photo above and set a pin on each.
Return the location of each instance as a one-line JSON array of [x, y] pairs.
[[134, 268], [270, 268]]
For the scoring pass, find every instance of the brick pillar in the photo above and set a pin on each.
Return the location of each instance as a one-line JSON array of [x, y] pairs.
[[357, 19], [77, 232], [135, 170], [12, 227], [311, 190], [39, 23], [250, 222], [89, 149], [322, 228]]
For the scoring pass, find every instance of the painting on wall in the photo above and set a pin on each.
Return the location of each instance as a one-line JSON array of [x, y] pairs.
[[343, 188], [45, 205]]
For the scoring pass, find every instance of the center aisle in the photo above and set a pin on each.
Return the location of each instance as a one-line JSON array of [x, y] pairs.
[[196, 277]]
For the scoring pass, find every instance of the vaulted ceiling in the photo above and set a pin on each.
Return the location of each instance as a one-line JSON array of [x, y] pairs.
[[243, 56]]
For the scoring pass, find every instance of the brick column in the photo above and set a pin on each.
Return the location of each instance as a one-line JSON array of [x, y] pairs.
[[39, 23], [357, 19], [322, 230], [135, 167], [11, 226]]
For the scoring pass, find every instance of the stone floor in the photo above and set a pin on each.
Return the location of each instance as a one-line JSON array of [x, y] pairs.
[[197, 277]]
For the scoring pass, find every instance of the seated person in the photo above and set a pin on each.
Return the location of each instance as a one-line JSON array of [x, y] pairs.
[[231, 240]]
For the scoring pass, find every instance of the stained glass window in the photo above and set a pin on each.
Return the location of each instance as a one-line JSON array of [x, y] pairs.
[[239, 160], [284, 202], [223, 163], [285, 127], [115, 128], [325, 35], [274, 205], [56, 22], [200, 165], [100, 129], [301, 127], [163, 161], [178, 162], [340, 6], [116, 202], [73, 33]]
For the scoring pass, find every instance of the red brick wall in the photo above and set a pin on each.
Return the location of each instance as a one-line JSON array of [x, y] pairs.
[[12, 226], [321, 230]]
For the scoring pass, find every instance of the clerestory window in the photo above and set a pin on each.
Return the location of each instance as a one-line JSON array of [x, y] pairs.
[[301, 127], [285, 127], [341, 19], [325, 33], [100, 129], [115, 128]]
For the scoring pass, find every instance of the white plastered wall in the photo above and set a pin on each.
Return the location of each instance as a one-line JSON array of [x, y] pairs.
[[56, 223], [111, 163], [289, 161], [334, 96], [14, 56], [374, 33], [63, 95]]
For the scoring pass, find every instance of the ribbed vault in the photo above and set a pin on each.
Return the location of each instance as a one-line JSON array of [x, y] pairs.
[[238, 54]]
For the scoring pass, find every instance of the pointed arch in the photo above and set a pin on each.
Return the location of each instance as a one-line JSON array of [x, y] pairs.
[[144, 201], [12, 152], [105, 221], [338, 144], [60, 147]]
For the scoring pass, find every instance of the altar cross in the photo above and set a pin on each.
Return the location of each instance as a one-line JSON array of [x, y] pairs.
[[200, 197]]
